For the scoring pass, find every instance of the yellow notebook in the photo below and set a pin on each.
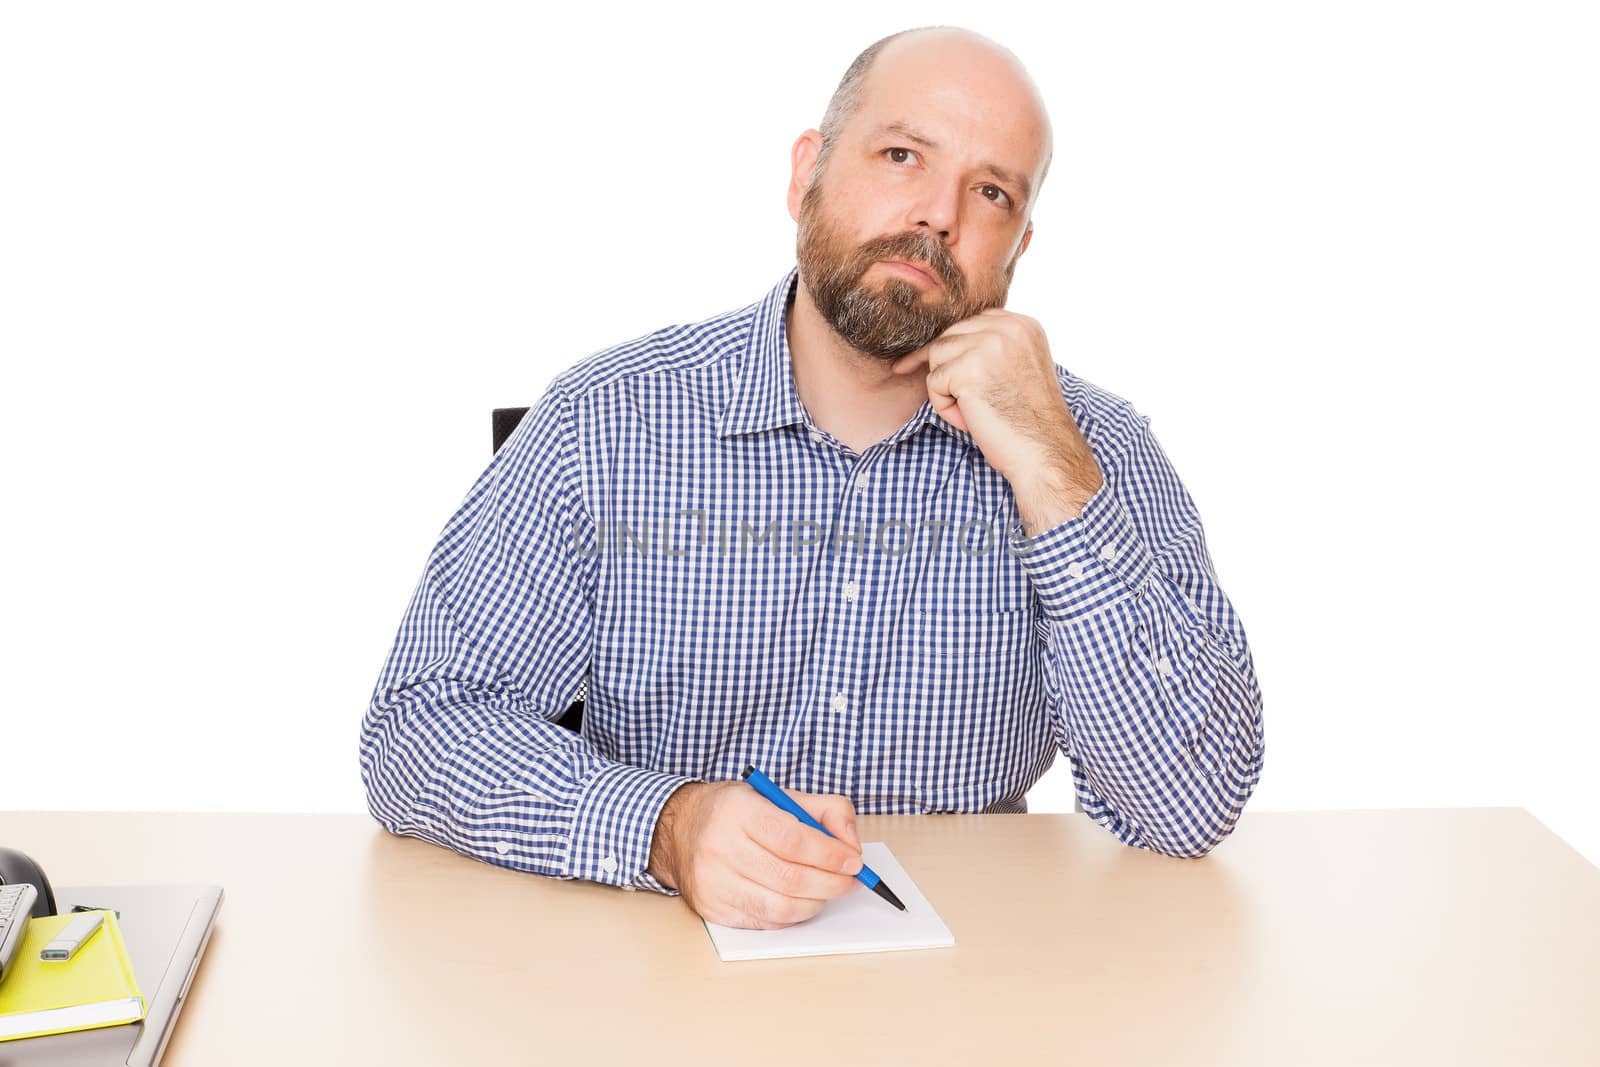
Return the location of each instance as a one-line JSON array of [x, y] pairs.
[[94, 988]]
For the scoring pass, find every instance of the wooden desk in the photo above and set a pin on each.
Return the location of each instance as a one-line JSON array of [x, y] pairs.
[[1374, 937]]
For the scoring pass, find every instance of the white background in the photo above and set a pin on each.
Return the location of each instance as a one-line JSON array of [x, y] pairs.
[[265, 270]]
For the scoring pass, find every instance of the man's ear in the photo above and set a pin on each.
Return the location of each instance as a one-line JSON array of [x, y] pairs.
[[802, 163], [1027, 235]]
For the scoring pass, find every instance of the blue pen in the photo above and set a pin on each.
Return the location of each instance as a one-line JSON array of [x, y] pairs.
[[764, 785]]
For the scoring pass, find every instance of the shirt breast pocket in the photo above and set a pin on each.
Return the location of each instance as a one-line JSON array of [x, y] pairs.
[[978, 724]]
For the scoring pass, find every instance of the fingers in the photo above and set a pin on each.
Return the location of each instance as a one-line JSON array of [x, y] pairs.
[[949, 339], [947, 409], [910, 362], [747, 906], [772, 890], [939, 384], [835, 812], [789, 837], [758, 867], [756, 890], [800, 863], [735, 900]]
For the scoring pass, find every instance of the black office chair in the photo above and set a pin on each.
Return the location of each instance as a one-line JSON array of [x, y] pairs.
[[505, 421]]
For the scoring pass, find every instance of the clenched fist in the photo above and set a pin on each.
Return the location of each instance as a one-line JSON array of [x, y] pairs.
[[739, 860]]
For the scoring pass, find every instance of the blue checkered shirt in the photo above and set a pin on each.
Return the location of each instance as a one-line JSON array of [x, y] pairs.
[[669, 537]]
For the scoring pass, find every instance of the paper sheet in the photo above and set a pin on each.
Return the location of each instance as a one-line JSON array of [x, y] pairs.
[[859, 922]]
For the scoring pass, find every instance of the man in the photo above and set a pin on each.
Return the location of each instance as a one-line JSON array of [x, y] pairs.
[[864, 534]]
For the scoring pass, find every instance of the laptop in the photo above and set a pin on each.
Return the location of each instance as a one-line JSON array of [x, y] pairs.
[[166, 928]]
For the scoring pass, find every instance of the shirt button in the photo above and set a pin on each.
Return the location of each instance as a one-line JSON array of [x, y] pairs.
[[816, 435], [1075, 569], [850, 592], [630, 889], [862, 483], [501, 847], [609, 864], [1164, 666], [839, 702], [1108, 552]]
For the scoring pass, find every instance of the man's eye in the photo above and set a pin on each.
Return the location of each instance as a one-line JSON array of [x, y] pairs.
[[999, 190], [907, 151]]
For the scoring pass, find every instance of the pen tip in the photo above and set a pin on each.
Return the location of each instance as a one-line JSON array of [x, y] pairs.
[[888, 894]]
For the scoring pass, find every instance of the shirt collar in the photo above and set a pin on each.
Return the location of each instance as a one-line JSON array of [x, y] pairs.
[[765, 397]]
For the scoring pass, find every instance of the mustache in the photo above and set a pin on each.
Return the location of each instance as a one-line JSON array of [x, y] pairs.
[[917, 248]]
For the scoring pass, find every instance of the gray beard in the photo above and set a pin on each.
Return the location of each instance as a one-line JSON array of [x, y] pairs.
[[884, 325]]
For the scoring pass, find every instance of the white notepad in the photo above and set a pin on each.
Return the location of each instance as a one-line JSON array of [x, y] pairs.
[[859, 922]]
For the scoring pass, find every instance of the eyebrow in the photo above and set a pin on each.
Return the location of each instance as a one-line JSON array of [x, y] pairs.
[[911, 133]]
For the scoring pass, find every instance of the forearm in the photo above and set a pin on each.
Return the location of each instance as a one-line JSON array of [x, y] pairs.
[[1055, 489]]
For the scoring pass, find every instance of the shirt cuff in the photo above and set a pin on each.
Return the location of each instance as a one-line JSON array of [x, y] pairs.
[[614, 824], [1088, 563]]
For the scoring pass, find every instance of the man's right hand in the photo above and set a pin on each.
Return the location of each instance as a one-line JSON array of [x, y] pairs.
[[740, 860]]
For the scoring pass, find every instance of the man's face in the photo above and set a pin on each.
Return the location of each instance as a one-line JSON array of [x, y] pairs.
[[934, 167], [895, 314]]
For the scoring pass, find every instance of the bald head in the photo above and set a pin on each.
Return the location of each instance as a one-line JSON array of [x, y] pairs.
[[932, 59]]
